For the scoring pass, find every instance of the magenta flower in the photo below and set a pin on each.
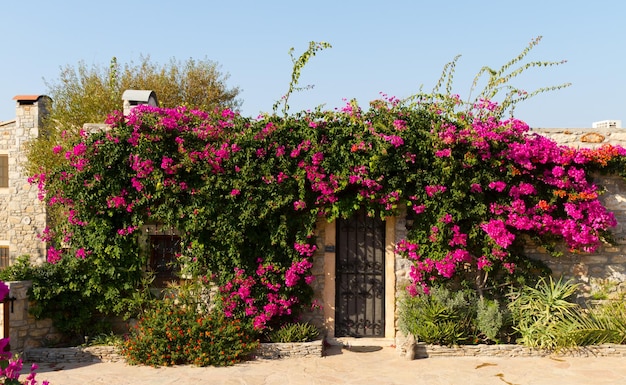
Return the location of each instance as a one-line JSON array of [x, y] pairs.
[[432, 190], [496, 230], [54, 255], [499, 186], [234, 192], [476, 188], [4, 291], [299, 205], [400, 124], [483, 263], [445, 153]]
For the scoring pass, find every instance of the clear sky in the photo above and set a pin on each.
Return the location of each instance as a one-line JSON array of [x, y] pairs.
[[393, 47]]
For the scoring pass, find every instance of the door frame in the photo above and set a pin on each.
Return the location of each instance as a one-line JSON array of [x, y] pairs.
[[329, 304]]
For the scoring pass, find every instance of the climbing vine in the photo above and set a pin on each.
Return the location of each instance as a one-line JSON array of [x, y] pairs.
[[245, 194]]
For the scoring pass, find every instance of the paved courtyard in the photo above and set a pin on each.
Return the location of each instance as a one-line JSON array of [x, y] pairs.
[[342, 366]]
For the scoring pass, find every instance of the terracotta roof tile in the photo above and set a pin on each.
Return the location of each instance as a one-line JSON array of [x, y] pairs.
[[31, 98]]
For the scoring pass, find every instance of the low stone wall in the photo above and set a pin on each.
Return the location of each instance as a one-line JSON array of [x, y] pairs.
[[290, 350], [431, 351], [73, 354], [111, 354]]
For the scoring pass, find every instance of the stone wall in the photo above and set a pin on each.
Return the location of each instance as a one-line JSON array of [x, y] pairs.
[[432, 351], [22, 215], [74, 354], [584, 137], [290, 350], [111, 353], [25, 331], [315, 315]]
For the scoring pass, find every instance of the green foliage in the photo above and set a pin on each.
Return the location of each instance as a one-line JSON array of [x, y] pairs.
[[77, 294], [104, 339], [298, 65], [295, 332], [84, 94], [169, 334], [546, 317], [20, 270], [543, 314], [599, 325], [491, 319], [451, 317], [442, 317], [497, 82], [246, 194]]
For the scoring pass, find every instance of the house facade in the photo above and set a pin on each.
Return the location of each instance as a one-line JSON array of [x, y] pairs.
[[22, 214], [359, 276]]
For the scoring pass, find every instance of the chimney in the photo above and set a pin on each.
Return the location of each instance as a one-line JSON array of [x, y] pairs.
[[30, 111], [133, 98]]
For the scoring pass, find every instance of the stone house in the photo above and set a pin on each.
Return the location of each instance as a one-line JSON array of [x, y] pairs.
[[359, 277], [22, 215]]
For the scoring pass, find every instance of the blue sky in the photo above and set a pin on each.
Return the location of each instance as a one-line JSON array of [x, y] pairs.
[[393, 47]]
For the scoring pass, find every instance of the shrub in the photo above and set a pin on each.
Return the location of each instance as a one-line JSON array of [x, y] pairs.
[[441, 317], [491, 319], [19, 270], [544, 315], [171, 335], [295, 332], [602, 324]]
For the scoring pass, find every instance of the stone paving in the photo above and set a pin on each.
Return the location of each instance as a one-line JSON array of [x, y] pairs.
[[380, 365]]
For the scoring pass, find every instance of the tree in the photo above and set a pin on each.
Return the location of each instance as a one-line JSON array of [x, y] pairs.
[[85, 94]]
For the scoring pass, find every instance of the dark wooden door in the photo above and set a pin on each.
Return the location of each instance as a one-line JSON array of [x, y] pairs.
[[360, 277]]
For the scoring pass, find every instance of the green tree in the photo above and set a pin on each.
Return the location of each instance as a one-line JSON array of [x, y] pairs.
[[84, 94]]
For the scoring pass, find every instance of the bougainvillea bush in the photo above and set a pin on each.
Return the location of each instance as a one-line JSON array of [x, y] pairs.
[[245, 194]]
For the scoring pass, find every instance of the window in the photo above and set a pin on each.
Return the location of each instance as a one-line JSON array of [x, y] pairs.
[[4, 170], [164, 250], [4, 257]]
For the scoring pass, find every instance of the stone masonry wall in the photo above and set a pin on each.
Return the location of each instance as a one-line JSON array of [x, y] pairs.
[[22, 215], [316, 314], [25, 331]]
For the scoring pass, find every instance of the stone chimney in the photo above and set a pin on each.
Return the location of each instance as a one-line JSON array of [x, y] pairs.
[[133, 98], [30, 111], [23, 216]]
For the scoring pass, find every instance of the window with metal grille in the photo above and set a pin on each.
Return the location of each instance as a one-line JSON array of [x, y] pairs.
[[4, 257], [4, 170]]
